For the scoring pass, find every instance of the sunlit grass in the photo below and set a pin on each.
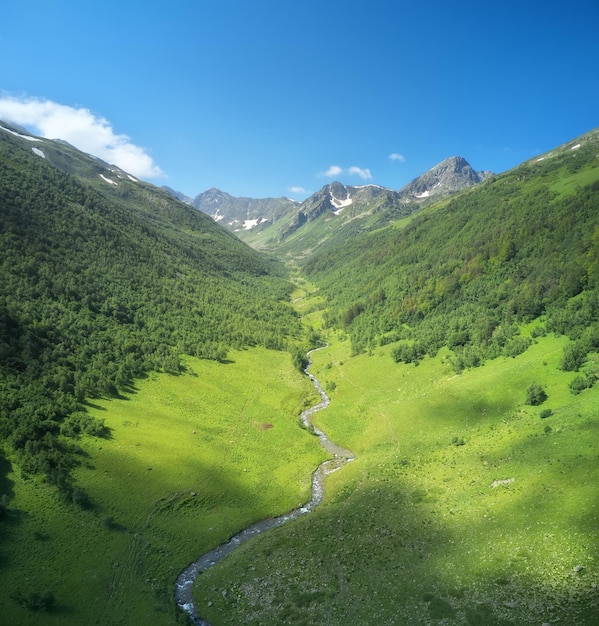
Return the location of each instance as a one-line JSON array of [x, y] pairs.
[[501, 529], [191, 460]]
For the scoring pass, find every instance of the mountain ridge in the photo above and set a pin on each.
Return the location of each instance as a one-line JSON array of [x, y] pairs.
[[244, 214], [241, 213], [451, 175]]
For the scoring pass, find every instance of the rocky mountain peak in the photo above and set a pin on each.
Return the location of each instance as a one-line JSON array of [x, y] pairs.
[[449, 176]]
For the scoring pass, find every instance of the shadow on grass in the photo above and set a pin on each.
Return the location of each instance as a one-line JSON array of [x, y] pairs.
[[97, 407], [41, 603], [374, 555], [9, 519]]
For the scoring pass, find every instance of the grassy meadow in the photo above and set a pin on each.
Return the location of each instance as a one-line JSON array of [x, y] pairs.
[[463, 505], [190, 460]]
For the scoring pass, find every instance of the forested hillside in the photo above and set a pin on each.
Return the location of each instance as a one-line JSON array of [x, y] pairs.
[[466, 273], [101, 283]]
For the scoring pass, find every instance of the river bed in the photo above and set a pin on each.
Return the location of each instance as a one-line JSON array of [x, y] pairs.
[[340, 456]]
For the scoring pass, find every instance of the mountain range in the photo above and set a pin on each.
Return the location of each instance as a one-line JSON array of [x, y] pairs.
[[278, 218], [244, 214], [239, 214]]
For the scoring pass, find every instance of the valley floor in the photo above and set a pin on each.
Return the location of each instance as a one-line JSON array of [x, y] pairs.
[[463, 506]]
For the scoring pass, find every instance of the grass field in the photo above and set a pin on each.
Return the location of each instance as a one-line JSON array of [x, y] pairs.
[[463, 506], [191, 459]]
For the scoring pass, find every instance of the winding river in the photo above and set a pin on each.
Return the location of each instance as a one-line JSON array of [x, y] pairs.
[[186, 579]]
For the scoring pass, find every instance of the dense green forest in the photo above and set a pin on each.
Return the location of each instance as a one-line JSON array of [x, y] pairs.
[[100, 285], [467, 273]]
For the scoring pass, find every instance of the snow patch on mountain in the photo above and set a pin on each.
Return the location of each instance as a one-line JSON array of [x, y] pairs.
[[367, 186], [340, 204], [38, 152], [108, 180], [27, 137]]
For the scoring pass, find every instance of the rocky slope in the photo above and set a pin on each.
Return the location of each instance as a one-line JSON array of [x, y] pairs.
[[451, 175], [242, 213]]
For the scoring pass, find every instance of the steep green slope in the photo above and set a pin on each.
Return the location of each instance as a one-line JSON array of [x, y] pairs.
[[101, 283], [465, 273]]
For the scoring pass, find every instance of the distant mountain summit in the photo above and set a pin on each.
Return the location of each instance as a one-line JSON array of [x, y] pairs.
[[451, 175], [448, 177], [337, 198], [242, 213]]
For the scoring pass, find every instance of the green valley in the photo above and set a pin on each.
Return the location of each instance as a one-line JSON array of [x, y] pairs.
[[189, 460], [151, 389]]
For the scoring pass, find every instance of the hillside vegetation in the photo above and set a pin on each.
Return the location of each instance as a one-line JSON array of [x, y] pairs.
[[145, 373], [104, 283], [466, 273], [462, 371], [463, 507], [190, 460]]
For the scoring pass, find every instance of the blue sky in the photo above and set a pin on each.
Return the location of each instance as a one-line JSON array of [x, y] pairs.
[[270, 98]]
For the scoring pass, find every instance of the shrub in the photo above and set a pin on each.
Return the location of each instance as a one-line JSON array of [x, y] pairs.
[[516, 346], [573, 357], [535, 394], [465, 358], [298, 357], [79, 423], [80, 498], [408, 353], [34, 600], [545, 413], [580, 383]]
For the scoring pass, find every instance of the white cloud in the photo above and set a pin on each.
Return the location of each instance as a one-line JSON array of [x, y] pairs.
[[297, 190], [333, 171], [81, 128], [395, 156], [362, 173]]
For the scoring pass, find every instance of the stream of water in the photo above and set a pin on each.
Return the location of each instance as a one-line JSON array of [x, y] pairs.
[[186, 579]]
